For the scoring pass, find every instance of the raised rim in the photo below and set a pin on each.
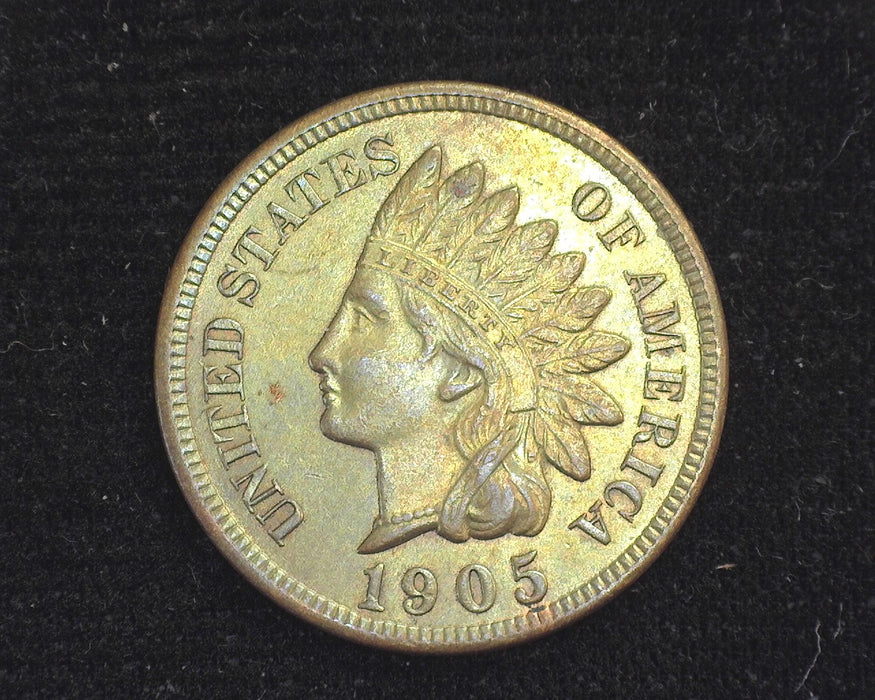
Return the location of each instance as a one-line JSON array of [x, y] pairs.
[[180, 275]]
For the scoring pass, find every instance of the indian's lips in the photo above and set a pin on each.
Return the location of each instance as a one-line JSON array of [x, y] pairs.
[[330, 392]]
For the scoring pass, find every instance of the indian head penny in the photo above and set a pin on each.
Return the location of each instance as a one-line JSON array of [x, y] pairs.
[[441, 367]]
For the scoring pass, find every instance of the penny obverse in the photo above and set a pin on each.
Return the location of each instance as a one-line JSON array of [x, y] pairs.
[[441, 367]]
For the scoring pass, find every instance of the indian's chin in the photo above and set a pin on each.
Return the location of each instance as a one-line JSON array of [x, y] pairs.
[[328, 426], [337, 430]]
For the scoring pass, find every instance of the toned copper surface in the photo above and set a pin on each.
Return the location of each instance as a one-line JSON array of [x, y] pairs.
[[441, 367]]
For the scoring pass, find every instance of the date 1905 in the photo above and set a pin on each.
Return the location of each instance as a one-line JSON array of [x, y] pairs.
[[474, 586]]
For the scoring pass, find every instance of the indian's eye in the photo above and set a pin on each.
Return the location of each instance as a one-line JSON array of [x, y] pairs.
[[361, 318]]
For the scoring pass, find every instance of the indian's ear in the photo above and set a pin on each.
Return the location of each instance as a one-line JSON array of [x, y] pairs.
[[463, 379]]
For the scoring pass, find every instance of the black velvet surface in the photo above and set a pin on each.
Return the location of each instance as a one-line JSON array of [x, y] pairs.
[[118, 121]]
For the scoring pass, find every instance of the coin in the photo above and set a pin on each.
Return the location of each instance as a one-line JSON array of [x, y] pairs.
[[441, 367]]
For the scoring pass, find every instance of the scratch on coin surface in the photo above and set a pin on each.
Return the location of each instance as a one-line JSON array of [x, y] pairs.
[[300, 270]]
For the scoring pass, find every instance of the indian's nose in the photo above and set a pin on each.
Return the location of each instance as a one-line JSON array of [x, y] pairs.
[[320, 358]]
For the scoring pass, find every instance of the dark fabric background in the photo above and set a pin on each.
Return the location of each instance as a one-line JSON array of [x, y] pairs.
[[118, 121]]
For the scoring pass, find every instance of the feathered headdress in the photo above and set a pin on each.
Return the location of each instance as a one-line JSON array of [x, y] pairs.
[[464, 248]]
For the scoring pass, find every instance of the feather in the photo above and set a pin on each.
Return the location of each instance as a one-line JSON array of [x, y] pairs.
[[523, 250], [543, 336], [483, 230], [554, 327], [577, 308], [409, 205], [553, 276], [571, 396], [454, 199], [564, 269], [563, 445], [590, 353]]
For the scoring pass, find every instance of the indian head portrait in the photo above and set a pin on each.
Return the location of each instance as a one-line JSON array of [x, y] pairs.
[[463, 357]]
